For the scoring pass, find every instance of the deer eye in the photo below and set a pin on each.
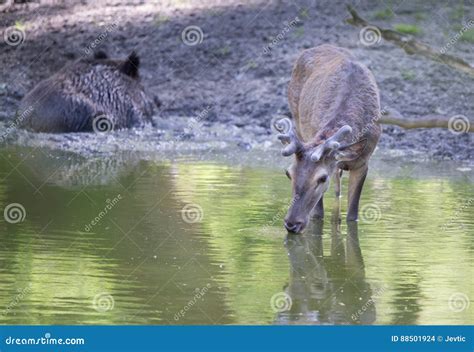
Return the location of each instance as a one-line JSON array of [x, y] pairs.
[[322, 179], [287, 174]]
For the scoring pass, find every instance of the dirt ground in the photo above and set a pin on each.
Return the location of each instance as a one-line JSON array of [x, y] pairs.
[[236, 74]]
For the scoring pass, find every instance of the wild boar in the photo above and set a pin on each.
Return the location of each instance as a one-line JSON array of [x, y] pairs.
[[90, 94]]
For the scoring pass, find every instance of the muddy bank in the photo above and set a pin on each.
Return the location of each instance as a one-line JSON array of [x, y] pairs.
[[236, 75], [179, 141], [108, 159]]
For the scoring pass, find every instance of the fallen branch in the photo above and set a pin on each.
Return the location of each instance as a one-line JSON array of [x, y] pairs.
[[458, 123], [411, 45]]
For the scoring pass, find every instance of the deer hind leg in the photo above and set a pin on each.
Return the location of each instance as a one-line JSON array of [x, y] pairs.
[[356, 182]]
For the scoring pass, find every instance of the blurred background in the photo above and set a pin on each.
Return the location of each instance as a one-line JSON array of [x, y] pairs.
[[232, 60]]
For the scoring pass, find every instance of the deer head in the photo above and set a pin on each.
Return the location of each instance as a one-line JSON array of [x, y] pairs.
[[313, 166]]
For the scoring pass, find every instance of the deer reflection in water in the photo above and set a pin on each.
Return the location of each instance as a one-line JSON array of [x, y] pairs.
[[331, 289]]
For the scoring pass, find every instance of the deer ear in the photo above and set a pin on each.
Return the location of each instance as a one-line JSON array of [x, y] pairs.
[[352, 151]]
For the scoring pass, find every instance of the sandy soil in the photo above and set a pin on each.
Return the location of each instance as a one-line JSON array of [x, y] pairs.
[[238, 74]]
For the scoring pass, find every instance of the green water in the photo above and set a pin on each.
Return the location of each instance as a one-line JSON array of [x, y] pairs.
[[116, 241]]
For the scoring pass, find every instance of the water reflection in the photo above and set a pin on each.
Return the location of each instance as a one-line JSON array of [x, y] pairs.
[[327, 289], [154, 261], [71, 171]]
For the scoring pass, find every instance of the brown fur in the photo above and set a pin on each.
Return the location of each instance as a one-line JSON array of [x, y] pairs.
[[330, 89]]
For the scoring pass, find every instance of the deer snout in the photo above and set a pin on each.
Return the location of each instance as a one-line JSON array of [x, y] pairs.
[[295, 225]]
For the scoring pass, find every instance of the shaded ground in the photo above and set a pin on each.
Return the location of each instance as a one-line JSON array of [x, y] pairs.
[[239, 72]]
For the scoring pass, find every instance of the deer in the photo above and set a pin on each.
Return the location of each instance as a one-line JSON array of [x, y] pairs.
[[335, 104]]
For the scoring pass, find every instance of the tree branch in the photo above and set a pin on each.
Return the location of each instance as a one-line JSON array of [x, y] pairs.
[[411, 45], [455, 123]]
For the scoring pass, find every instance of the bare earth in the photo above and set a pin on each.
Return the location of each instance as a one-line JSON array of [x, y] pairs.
[[234, 80]]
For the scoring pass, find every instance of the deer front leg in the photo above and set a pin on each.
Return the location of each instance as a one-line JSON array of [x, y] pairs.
[[356, 182], [336, 212], [318, 210], [337, 183]]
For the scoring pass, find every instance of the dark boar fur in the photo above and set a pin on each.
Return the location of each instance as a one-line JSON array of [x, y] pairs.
[[71, 99]]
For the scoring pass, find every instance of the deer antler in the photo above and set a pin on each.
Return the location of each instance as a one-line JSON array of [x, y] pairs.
[[332, 143], [288, 136]]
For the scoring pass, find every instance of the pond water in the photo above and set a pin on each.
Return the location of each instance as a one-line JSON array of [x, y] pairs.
[[123, 241]]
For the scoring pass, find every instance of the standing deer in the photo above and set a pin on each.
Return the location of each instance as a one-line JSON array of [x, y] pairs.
[[335, 104]]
